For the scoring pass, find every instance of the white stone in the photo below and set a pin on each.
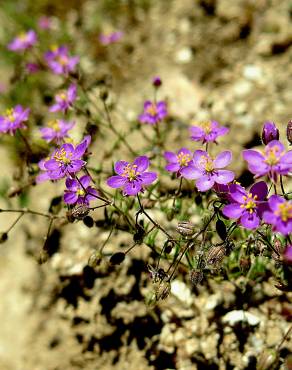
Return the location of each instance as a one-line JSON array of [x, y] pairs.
[[236, 316], [181, 291], [184, 55], [252, 72]]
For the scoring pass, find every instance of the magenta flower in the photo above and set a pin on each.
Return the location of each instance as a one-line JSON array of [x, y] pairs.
[[176, 162], [45, 22], [64, 161], [14, 119], [65, 99], [59, 61], [247, 207], [56, 130], [274, 161], [44, 175], [32, 68], [132, 177], [23, 41], [153, 112], [279, 215], [110, 38], [207, 132], [79, 192], [207, 171], [288, 253], [269, 133], [156, 81]]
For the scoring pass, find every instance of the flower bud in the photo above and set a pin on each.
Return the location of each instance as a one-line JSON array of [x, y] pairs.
[[156, 82], [88, 221], [3, 237], [95, 259], [185, 228], [289, 132], [196, 276], [221, 229], [117, 258], [269, 133]]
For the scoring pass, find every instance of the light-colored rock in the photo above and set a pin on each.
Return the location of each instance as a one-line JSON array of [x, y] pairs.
[[233, 317]]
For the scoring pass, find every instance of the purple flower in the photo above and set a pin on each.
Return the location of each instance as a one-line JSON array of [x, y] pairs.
[[59, 61], [247, 207], [23, 41], [132, 177], [207, 171], [14, 119], [288, 253], [32, 67], [79, 192], [207, 132], [176, 162], [274, 161], [110, 38], [269, 133], [56, 130], [279, 215], [64, 161], [153, 112], [64, 99]]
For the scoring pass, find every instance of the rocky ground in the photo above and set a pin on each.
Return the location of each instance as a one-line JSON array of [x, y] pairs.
[[218, 59]]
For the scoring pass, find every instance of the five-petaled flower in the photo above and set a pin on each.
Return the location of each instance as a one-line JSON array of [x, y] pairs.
[[153, 112], [64, 161], [65, 99], [59, 61], [176, 162], [207, 131], [14, 119], [207, 171], [247, 207], [279, 215], [79, 191], [23, 41], [274, 161], [56, 130], [132, 177]]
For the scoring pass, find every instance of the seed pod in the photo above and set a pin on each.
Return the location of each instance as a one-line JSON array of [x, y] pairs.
[[185, 228], [95, 259], [3, 237], [139, 234], [168, 246], [221, 229], [268, 360], [88, 221], [196, 276], [78, 212], [216, 255], [289, 132], [162, 290], [151, 300], [56, 204], [117, 258]]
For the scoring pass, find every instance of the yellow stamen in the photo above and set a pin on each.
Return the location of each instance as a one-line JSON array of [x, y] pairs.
[[206, 126], [152, 110], [80, 192], [184, 159], [9, 113], [60, 156], [249, 202], [273, 155], [131, 172], [54, 125], [284, 211]]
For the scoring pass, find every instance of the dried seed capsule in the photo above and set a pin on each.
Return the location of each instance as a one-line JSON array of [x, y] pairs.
[[162, 290], [185, 228], [117, 258], [95, 259], [78, 212], [289, 132], [196, 276], [216, 255]]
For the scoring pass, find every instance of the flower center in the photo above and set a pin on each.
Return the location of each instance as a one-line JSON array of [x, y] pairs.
[[284, 211], [249, 202], [9, 113], [54, 125], [63, 60], [206, 126], [207, 163], [22, 36], [152, 110], [62, 96], [183, 159], [131, 172], [273, 155], [80, 192], [54, 47], [61, 156]]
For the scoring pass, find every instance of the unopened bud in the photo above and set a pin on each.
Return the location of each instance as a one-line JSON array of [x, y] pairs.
[[289, 132], [162, 290], [156, 82], [117, 258], [103, 94], [269, 133], [88, 221], [3, 237], [185, 228], [221, 229]]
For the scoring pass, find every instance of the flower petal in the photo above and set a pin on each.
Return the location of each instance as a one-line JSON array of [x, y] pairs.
[[120, 167], [232, 210], [223, 159], [132, 188], [224, 177], [70, 197], [205, 183], [260, 189], [250, 220], [190, 173], [116, 181], [148, 177], [142, 163], [170, 157]]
